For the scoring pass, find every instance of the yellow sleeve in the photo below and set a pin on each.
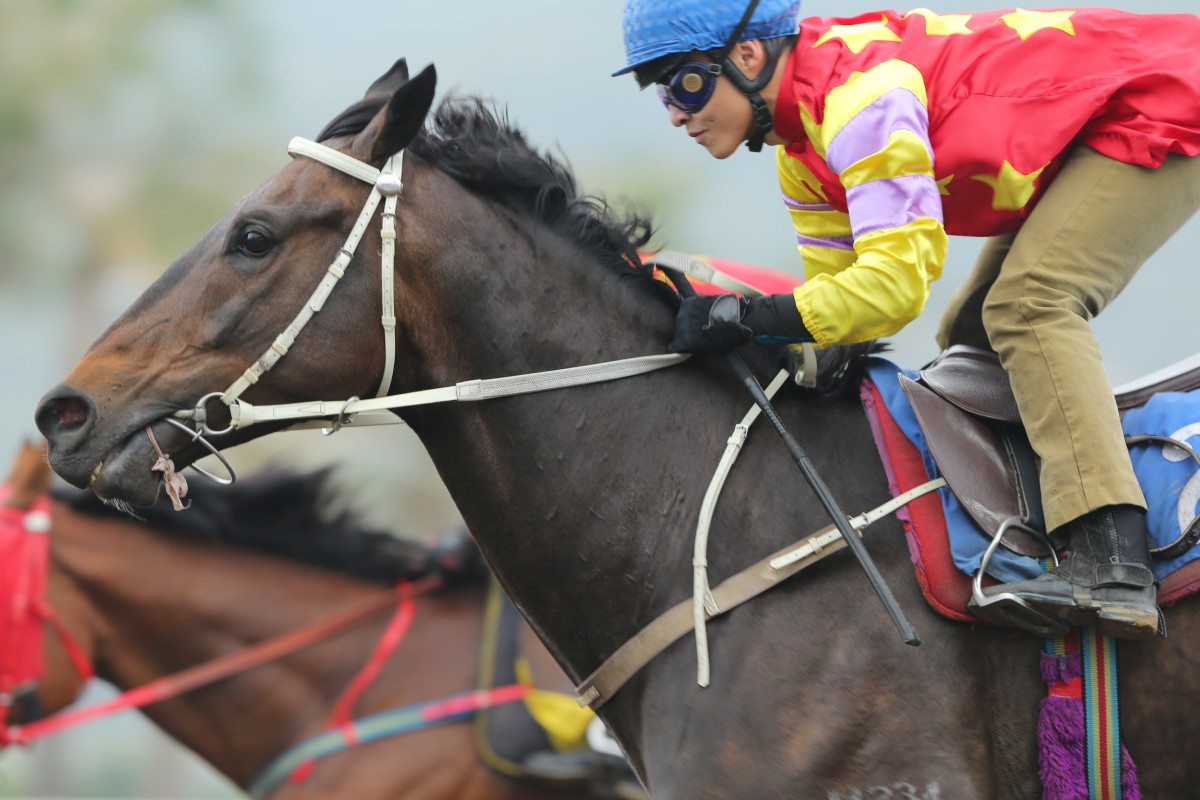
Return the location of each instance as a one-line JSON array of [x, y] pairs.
[[874, 135], [823, 234]]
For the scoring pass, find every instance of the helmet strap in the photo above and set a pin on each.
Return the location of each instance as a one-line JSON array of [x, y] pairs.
[[751, 87], [762, 123], [735, 37]]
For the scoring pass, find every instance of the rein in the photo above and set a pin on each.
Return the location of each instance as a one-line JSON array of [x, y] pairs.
[[344, 731], [393, 722], [217, 669], [815, 482]]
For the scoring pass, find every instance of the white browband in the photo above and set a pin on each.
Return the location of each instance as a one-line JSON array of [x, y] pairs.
[[385, 183]]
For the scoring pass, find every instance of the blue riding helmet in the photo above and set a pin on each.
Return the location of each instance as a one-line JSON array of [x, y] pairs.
[[660, 35], [658, 28]]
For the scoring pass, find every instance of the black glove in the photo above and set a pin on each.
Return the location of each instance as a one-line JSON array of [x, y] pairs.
[[709, 323]]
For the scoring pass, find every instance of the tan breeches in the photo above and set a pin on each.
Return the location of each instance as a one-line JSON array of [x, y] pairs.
[[1093, 229]]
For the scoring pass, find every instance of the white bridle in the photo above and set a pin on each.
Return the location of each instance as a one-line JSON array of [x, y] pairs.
[[386, 185]]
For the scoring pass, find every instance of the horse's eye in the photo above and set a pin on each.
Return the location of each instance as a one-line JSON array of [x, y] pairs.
[[254, 243]]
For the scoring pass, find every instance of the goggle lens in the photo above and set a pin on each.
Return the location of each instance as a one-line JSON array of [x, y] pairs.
[[690, 87]]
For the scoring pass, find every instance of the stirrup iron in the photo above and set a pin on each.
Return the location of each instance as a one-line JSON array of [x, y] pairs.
[[1005, 608]]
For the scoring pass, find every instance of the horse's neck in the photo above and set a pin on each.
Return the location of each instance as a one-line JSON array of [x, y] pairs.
[[162, 605], [576, 492]]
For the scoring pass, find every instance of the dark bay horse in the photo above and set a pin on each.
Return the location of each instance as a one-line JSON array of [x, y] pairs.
[[148, 599], [584, 500]]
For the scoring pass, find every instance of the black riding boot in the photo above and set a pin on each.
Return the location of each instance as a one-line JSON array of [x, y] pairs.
[[1104, 580]]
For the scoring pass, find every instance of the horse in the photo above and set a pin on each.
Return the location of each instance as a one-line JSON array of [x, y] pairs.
[[584, 500], [144, 599]]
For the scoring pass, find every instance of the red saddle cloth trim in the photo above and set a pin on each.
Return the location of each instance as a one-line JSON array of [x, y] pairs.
[[944, 585], [1183, 582], [767, 280]]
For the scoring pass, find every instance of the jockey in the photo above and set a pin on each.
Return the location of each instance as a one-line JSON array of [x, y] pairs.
[[1069, 137]]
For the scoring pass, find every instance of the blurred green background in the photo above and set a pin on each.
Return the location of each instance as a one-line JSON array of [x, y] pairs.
[[128, 126]]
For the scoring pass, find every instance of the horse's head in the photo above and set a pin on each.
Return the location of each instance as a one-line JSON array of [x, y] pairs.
[[28, 478], [232, 300]]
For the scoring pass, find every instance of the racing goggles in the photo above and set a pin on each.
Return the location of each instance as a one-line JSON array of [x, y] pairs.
[[690, 86]]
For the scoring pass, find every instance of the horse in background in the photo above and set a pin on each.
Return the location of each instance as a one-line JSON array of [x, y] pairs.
[[142, 599]]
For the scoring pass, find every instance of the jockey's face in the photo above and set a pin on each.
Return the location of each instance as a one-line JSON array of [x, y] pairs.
[[724, 122]]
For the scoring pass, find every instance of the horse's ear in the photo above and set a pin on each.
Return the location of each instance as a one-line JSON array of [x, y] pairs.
[[390, 81], [403, 117]]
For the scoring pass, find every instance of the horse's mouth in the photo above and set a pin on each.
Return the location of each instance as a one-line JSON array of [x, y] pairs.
[[126, 471]]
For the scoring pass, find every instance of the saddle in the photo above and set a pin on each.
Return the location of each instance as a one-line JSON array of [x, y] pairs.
[[966, 409], [964, 405]]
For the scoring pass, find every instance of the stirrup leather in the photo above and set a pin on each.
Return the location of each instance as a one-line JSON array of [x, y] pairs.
[[1005, 608]]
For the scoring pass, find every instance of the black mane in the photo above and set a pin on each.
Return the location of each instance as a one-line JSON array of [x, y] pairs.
[[478, 146], [840, 368], [285, 514]]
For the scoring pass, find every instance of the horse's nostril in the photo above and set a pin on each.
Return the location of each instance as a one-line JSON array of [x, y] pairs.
[[69, 412], [64, 412]]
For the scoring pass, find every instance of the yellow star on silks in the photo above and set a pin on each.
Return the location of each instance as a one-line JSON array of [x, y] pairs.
[[1027, 23], [857, 37], [943, 24], [944, 185], [1013, 189]]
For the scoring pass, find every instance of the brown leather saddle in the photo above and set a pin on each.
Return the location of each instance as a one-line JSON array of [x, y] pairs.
[[965, 406]]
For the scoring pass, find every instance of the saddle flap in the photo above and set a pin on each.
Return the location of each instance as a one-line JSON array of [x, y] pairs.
[[977, 465], [973, 380]]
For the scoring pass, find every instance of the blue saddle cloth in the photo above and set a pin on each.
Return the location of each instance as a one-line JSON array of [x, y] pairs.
[[1169, 477]]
